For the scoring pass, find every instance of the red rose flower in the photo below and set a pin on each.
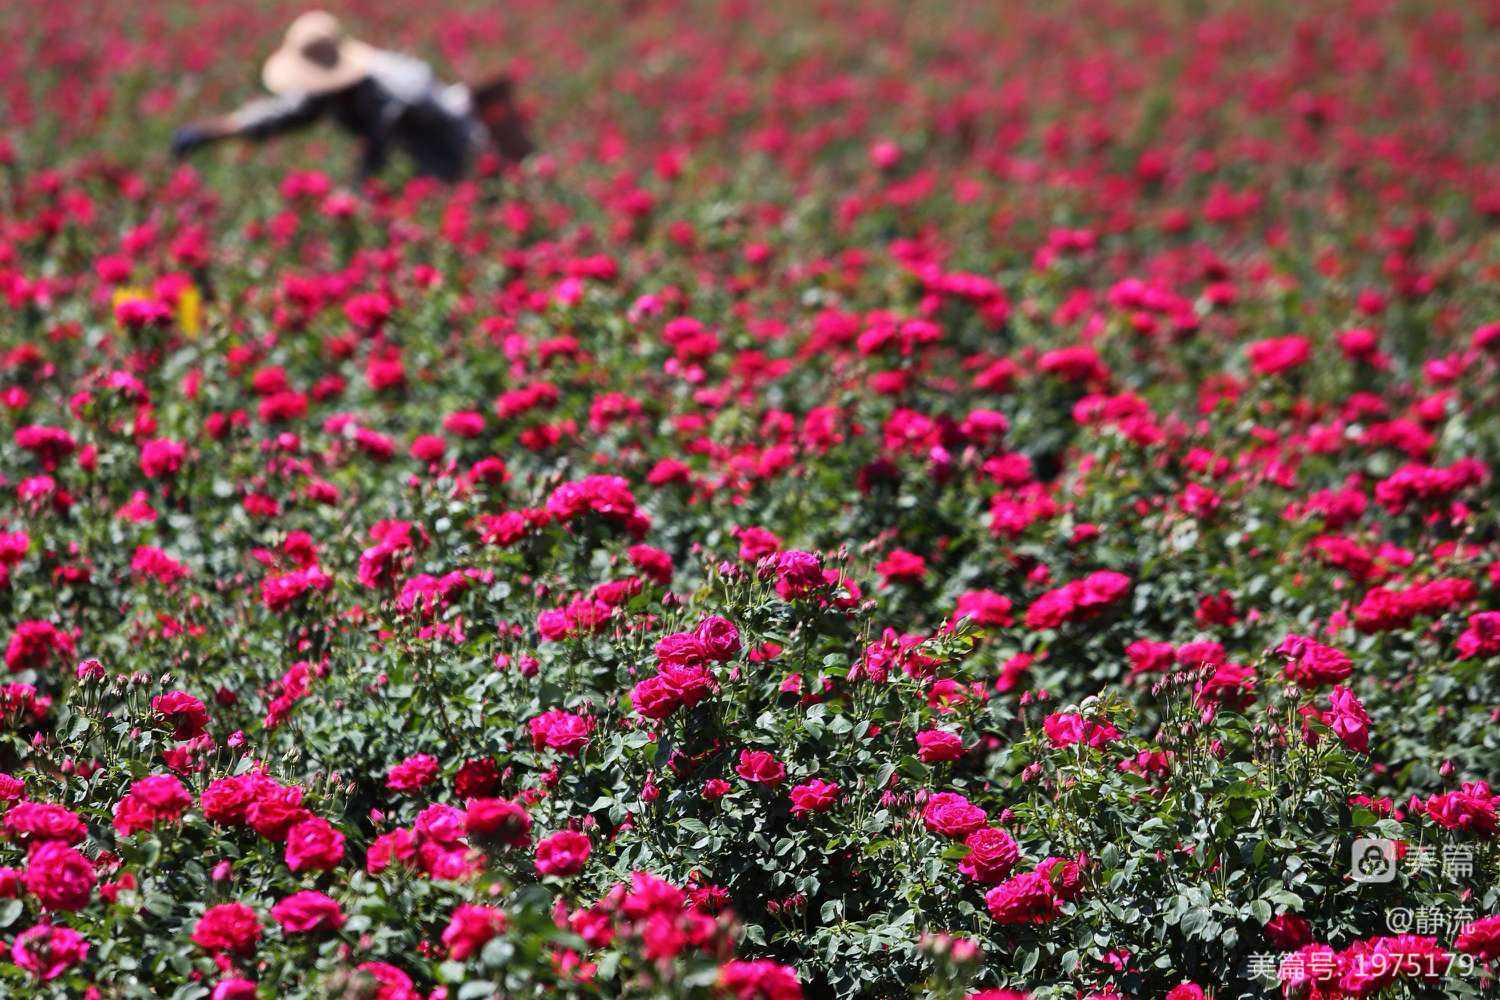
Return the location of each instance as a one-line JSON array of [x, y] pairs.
[[412, 773], [226, 800], [59, 876], [313, 844], [936, 745], [185, 714], [1288, 932], [562, 731], [157, 798], [952, 815], [759, 767], [1480, 938], [470, 928], [498, 821], [992, 855], [476, 778], [228, 927], [759, 980], [275, 809], [654, 698], [813, 797], [47, 951], [308, 911], [718, 637], [36, 822], [681, 648], [1024, 899], [563, 853]]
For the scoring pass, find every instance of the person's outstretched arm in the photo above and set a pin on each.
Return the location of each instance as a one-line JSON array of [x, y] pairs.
[[495, 105], [260, 119]]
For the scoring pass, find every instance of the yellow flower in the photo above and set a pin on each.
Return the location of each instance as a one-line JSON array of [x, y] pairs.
[[190, 310], [189, 305], [128, 295]]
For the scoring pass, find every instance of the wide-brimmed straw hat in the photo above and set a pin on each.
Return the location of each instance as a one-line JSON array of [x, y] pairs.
[[316, 57]]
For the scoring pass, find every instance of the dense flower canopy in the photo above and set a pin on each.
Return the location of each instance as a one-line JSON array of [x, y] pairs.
[[960, 500]]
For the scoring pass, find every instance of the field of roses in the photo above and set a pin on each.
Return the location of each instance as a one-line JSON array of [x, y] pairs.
[[983, 499]]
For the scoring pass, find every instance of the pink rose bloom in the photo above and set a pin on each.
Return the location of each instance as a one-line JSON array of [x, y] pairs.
[[759, 767], [1185, 991], [984, 607], [1278, 354], [759, 980], [1231, 685], [161, 457], [447, 862], [690, 683], [554, 624], [1067, 728], [902, 565], [1065, 875], [231, 927], [1102, 587], [1472, 808], [470, 929], [654, 698], [275, 810], [1482, 637], [233, 988], [392, 983], [952, 815], [183, 712], [164, 794], [1480, 938], [813, 797], [30, 823], [47, 952], [412, 773], [1024, 899], [992, 855], [313, 844], [396, 847], [935, 745], [1310, 664], [719, 637], [440, 823], [563, 853], [682, 649], [562, 731], [307, 911], [226, 800], [59, 876], [1287, 931], [498, 821], [1348, 719], [1051, 609]]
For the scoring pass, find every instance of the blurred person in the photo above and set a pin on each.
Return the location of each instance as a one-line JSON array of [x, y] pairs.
[[387, 99]]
